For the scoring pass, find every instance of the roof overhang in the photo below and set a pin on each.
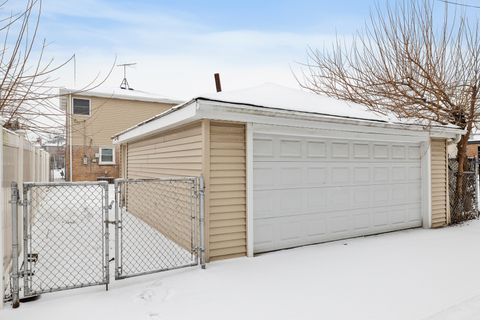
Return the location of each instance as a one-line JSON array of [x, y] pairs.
[[200, 108], [116, 95]]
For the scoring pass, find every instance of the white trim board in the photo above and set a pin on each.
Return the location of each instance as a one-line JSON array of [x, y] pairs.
[[249, 161], [200, 109]]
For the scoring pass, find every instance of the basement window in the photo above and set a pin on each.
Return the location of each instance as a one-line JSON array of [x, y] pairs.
[[81, 106], [107, 156]]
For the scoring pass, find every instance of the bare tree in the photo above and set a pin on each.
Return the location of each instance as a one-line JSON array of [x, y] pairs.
[[27, 91], [412, 60]]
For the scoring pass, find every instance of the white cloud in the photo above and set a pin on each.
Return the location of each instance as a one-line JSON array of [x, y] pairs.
[[176, 55]]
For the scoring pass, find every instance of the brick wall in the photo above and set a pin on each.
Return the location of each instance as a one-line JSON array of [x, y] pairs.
[[472, 150], [92, 170]]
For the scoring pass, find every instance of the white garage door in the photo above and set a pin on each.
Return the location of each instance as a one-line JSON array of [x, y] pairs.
[[309, 190]]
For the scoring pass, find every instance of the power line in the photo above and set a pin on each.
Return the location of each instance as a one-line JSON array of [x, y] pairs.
[[460, 4]]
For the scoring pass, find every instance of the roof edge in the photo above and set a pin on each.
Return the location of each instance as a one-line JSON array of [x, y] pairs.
[[114, 95]]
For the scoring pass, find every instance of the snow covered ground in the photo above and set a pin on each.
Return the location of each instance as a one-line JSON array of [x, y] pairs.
[[414, 274], [57, 175]]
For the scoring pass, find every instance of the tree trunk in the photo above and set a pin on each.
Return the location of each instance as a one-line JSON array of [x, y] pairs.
[[459, 198]]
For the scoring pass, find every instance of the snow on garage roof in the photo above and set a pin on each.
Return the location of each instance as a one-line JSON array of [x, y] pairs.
[[274, 97]]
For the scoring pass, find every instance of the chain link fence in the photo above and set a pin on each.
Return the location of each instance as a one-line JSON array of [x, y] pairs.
[[463, 198], [64, 236], [158, 225], [65, 232]]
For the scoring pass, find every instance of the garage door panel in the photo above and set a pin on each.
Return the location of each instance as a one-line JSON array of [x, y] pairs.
[[381, 174], [361, 220], [316, 149], [317, 226], [263, 148], [309, 190], [339, 223], [316, 198], [290, 229], [290, 148], [264, 235], [398, 152], [290, 176], [340, 175], [414, 173], [316, 176], [361, 150], [263, 177], [340, 150]]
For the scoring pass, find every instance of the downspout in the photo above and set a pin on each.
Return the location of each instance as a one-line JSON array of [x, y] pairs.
[[455, 140]]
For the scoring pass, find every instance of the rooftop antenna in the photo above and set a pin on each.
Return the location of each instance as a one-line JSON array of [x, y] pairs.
[[124, 85]]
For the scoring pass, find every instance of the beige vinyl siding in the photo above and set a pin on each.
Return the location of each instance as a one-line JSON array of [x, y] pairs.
[[109, 116], [175, 153], [227, 196], [440, 210]]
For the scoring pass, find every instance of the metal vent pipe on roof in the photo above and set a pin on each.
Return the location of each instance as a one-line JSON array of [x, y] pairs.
[[218, 84]]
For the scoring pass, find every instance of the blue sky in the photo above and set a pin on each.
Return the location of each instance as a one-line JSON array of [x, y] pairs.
[[178, 45]]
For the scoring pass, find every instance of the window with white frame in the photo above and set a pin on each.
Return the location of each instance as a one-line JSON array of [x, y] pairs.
[[81, 107], [107, 156]]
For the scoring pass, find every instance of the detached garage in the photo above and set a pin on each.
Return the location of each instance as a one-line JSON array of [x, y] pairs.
[[286, 168]]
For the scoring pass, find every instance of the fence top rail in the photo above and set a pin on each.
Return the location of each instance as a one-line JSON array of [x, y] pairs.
[[66, 183], [166, 179]]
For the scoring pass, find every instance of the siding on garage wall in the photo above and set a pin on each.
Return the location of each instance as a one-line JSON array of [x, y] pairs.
[[439, 168], [216, 149], [174, 153], [227, 196]]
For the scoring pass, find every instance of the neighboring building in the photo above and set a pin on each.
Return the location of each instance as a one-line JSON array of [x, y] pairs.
[[473, 144], [286, 168], [56, 148], [92, 118]]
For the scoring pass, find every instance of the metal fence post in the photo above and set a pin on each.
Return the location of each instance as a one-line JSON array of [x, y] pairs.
[[15, 277], [107, 239], [117, 226], [26, 262], [202, 222]]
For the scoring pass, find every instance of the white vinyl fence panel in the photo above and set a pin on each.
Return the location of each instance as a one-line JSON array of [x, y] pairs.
[[20, 161]]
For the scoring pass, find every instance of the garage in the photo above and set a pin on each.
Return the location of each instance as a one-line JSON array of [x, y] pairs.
[[286, 168], [311, 189]]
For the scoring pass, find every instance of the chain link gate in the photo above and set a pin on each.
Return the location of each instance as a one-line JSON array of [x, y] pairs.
[[159, 225], [65, 232]]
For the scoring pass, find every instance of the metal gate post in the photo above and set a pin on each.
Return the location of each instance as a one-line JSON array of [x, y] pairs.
[[117, 226], [107, 238], [202, 222], [26, 235], [15, 277]]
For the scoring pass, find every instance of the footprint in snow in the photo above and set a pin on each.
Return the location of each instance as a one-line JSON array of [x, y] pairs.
[[145, 296]]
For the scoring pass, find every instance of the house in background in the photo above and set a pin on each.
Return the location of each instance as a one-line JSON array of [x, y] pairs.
[[473, 144], [92, 118], [286, 168], [56, 148]]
